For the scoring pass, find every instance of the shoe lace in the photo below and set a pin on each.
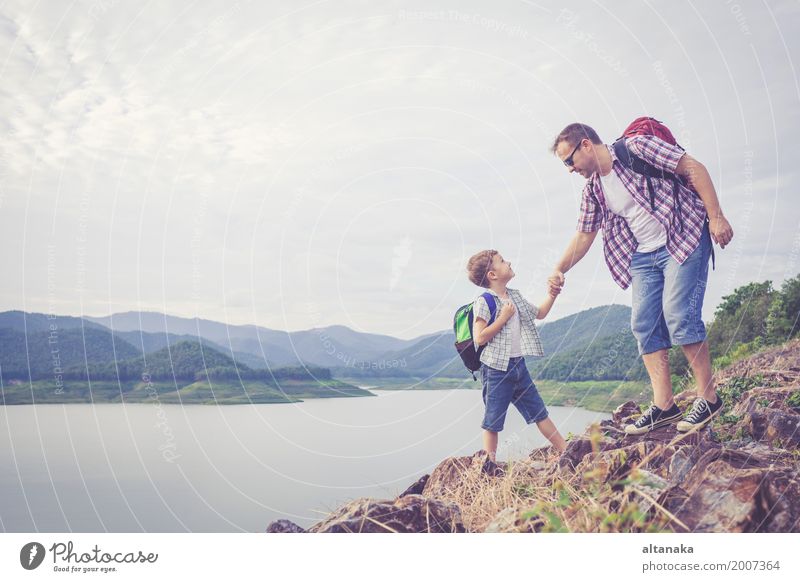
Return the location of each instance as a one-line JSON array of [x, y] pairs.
[[647, 417], [699, 408]]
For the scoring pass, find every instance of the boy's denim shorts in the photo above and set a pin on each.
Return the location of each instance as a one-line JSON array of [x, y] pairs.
[[514, 386], [667, 302]]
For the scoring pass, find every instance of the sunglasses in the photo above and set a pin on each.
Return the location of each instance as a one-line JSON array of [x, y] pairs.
[[569, 161]]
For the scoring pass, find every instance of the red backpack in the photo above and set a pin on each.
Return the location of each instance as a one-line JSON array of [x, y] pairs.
[[649, 126]]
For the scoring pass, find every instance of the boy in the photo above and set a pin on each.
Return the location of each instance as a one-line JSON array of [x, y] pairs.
[[510, 338]]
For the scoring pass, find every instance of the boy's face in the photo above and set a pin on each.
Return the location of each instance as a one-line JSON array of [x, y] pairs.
[[501, 269]]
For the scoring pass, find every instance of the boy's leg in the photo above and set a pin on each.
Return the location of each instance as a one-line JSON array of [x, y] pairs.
[[497, 390], [549, 430], [490, 443], [531, 406]]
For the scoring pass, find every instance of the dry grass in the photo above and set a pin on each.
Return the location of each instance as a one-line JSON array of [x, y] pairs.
[[534, 494]]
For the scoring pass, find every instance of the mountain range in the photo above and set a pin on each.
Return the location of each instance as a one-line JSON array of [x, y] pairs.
[[595, 343]]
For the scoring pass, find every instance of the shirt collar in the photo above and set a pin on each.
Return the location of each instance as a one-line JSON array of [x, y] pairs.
[[595, 178], [509, 289]]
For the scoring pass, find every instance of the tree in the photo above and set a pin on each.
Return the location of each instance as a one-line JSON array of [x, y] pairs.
[[783, 319]]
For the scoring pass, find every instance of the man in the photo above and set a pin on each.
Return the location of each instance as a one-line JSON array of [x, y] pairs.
[[658, 242]]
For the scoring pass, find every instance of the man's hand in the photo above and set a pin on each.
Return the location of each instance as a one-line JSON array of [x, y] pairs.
[[720, 228], [555, 282]]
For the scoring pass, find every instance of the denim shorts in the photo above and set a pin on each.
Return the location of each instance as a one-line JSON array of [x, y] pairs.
[[512, 387], [667, 302]]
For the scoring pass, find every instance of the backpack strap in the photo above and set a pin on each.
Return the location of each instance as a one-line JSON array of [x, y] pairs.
[[492, 304], [490, 301], [639, 166]]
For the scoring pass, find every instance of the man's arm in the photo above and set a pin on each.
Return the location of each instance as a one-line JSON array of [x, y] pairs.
[[699, 179], [576, 250], [671, 158]]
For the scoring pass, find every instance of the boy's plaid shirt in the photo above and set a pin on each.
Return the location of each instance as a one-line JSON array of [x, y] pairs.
[[497, 352], [619, 244]]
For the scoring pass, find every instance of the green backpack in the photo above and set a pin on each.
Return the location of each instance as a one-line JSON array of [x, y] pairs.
[[465, 342]]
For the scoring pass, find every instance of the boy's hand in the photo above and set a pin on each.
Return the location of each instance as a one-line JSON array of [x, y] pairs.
[[507, 311], [555, 283]]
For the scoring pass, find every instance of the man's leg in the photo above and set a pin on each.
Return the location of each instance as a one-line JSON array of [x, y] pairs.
[[684, 291], [652, 335], [657, 364], [700, 361], [648, 325]]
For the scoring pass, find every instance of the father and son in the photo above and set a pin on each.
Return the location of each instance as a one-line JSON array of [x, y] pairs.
[[659, 213]]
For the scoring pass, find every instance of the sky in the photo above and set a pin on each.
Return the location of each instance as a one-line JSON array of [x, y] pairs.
[[304, 164]]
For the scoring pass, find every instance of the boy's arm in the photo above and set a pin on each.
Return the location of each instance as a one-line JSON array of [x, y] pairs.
[[483, 333], [546, 305]]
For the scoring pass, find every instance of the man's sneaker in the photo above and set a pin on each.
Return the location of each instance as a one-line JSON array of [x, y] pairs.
[[702, 412], [654, 418]]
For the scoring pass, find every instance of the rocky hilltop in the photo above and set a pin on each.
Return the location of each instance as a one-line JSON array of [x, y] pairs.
[[740, 474]]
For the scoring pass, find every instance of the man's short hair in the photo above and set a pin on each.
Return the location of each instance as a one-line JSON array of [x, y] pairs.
[[479, 266], [574, 133]]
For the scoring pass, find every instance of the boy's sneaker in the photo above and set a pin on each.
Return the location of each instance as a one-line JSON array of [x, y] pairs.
[[702, 412], [654, 418]]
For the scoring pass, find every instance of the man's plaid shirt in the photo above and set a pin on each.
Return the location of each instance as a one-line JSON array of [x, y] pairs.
[[619, 244], [497, 352]]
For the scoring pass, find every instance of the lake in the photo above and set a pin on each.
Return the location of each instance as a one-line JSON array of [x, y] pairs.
[[171, 468]]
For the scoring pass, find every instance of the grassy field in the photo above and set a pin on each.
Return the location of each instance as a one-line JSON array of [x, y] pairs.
[[602, 396], [218, 392]]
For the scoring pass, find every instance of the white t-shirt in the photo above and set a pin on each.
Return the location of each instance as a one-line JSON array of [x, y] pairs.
[[515, 329], [647, 230]]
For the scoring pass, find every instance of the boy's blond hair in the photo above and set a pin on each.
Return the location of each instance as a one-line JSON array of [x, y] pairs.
[[479, 266]]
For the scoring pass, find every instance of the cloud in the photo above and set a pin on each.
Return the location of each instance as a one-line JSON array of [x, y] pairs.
[[295, 153]]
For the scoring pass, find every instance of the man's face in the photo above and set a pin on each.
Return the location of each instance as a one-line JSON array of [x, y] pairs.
[[501, 268], [584, 161]]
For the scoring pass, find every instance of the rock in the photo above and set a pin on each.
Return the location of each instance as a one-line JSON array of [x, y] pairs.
[[614, 465], [685, 399], [449, 475], [767, 417], [510, 520], [417, 487], [780, 493], [714, 479], [409, 514], [284, 526], [732, 490], [723, 500], [781, 363], [647, 487], [578, 448], [625, 412], [679, 465], [760, 399], [773, 426]]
